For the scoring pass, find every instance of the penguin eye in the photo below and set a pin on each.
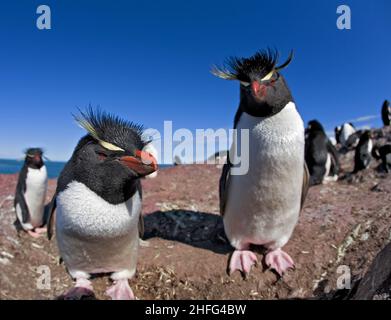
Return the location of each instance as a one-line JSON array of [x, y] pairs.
[[244, 84], [102, 156], [268, 76]]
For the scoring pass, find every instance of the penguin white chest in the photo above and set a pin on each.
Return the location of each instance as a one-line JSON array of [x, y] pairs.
[[35, 194], [347, 131], [95, 236], [82, 211], [263, 205], [370, 146]]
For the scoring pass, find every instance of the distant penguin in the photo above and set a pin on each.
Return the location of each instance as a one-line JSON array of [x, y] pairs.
[[337, 133], [320, 155], [352, 141], [363, 153], [383, 153], [99, 201], [31, 193], [386, 113], [343, 133], [262, 206]]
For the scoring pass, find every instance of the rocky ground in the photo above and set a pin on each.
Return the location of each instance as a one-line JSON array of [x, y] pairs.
[[345, 223]]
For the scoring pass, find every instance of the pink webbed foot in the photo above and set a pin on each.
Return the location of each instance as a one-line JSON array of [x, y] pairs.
[[279, 260], [120, 290], [33, 234], [242, 260], [40, 230], [82, 290]]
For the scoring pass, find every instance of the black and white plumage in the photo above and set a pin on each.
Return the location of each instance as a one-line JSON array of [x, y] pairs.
[[262, 206], [363, 153], [386, 113], [383, 153], [347, 136], [320, 155], [98, 201], [31, 192]]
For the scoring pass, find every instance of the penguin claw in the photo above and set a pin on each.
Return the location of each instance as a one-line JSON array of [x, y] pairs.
[[40, 230], [242, 260], [33, 234], [82, 291], [120, 290], [279, 261]]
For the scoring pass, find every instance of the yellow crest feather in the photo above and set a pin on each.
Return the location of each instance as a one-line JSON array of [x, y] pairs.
[[90, 129]]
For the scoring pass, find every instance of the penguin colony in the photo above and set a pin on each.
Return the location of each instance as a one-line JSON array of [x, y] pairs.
[[96, 215]]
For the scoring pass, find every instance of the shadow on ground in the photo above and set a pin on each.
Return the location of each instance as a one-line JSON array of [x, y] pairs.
[[198, 229]]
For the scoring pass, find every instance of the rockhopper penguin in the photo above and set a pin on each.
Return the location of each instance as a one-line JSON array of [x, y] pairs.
[[262, 207], [31, 193], [343, 135], [98, 202], [320, 155]]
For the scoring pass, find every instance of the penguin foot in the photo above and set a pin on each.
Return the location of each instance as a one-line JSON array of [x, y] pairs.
[[242, 260], [279, 261], [120, 290], [40, 230], [33, 234], [82, 291]]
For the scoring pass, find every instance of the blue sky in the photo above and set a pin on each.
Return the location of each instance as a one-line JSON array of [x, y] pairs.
[[149, 62]]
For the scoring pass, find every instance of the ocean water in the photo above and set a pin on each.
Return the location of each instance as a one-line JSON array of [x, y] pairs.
[[54, 168], [13, 166]]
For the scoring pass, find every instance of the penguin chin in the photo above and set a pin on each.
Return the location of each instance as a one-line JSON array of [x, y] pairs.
[[36, 164], [261, 109]]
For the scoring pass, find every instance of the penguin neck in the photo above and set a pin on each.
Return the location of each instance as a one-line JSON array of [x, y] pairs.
[[264, 108], [115, 192], [110, 183], [274, 98], [36, 166]]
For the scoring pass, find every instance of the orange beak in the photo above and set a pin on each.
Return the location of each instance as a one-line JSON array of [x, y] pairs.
[[143, 163], [256, 88]]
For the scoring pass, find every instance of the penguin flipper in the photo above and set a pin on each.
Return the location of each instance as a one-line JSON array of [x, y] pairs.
[[141, 226], [306, 185], [19, 195], [141, 219], [376, 153], [50, 217], [21, 201], [223, 186], [334, 157]]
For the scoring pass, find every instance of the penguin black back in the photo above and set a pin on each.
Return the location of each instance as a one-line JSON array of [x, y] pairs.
[[363, 157], [383, 153], [386, 113], [318, 148]]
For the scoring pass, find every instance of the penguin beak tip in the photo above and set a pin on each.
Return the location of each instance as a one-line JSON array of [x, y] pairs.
[[143, 163]]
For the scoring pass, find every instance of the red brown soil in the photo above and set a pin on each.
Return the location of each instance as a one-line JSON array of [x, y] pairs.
[[342, 223]]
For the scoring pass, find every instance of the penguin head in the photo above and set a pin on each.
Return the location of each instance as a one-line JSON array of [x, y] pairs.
[[263, 89], [34, 158], [386, 107], [314, 126], [338, 131], [366, 135], [113, 148]]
